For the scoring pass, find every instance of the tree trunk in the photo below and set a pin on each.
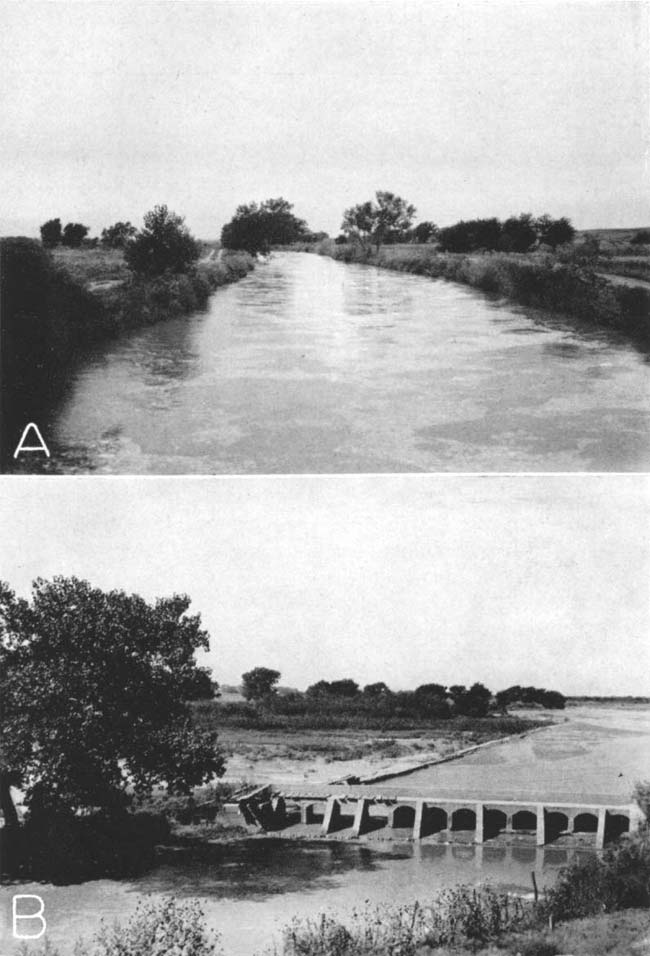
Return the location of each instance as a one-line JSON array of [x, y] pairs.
[[6, 801]]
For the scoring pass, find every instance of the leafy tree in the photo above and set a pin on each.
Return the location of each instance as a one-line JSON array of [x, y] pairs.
[[95, 689], [424, 232], [389, 217], [474, 702], [320, 689], [163, 245], [358, 224], [431, 700], [255, 228], [471, 235], [73, 234], [555, 232], [259, 683], [374, 222], [51, 234], [118, 235], [374, 691], [344, 688], [518, 233]]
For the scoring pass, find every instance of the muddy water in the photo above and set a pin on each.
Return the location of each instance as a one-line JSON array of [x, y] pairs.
[[252, 889], [595, 756], [311, 365]]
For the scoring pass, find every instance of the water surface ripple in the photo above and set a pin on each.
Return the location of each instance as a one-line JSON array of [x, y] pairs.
[[311, 365]]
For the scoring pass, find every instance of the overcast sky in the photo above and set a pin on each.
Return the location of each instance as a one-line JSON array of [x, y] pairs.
[[466, 109], [528, 580]]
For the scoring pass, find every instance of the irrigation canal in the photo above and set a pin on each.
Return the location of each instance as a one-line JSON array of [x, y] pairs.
[[312, 365]]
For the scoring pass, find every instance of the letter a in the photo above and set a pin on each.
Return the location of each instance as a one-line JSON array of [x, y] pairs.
[[23, 447], [37, 915]]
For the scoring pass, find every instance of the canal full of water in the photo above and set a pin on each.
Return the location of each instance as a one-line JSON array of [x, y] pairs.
[[312, 365]]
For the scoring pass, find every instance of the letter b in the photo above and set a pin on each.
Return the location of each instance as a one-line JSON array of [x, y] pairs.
[[38, 915]]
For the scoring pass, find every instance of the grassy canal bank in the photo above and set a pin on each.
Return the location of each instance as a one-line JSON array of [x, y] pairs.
[[56, 305], [571, 285]]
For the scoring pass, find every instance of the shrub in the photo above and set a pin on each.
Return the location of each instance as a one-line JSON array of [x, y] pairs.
[[73, 234], [118, 235], [157, 929], [469, 235], [163, 245], [51, 234], [620, 879], [642, 237], [459, 917]]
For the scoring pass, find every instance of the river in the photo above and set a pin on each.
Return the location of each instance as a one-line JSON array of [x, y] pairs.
[[252, 888], [312, 365]]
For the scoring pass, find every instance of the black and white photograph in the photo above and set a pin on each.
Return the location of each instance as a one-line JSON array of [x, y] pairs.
[[337, 237], [325, 478], [321, 715]]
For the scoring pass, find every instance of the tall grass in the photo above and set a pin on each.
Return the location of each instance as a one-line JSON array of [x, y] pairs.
[[540, 281], [340, 715], [49, 317], [459, 916]]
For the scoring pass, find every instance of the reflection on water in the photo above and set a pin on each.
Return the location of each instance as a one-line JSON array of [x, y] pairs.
[[311, 365], [250, 889]]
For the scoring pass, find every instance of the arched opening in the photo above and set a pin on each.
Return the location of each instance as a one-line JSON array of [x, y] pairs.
[[378, 816], [463, 819], [314, 813], [404, 817], [585, 823], [434, 819], [555, 824], [494, 823], [524, 820], [615, 825]]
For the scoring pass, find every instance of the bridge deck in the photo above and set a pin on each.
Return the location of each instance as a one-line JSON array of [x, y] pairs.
[[487, 795]]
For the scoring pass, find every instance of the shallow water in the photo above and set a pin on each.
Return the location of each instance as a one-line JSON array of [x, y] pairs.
[[312, 365], [251, 889], [596, 756]]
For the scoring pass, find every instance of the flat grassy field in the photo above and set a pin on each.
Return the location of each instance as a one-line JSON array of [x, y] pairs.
[[274, 756], [88, 266]]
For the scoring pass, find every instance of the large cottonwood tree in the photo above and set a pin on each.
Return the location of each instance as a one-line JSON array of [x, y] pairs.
[[95, 692]]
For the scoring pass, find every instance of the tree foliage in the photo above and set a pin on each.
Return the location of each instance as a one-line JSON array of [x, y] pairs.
[[374, 222], [95, 689], [259, 683], [74, 234], [516, 234], [51, 233], [163, 245], [474, 702], [118, 235], [255, 228], [516, 694], [554, 232], [424, 232]]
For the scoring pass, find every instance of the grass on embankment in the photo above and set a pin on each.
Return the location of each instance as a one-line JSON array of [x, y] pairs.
[[51, 313], [539, 280]]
